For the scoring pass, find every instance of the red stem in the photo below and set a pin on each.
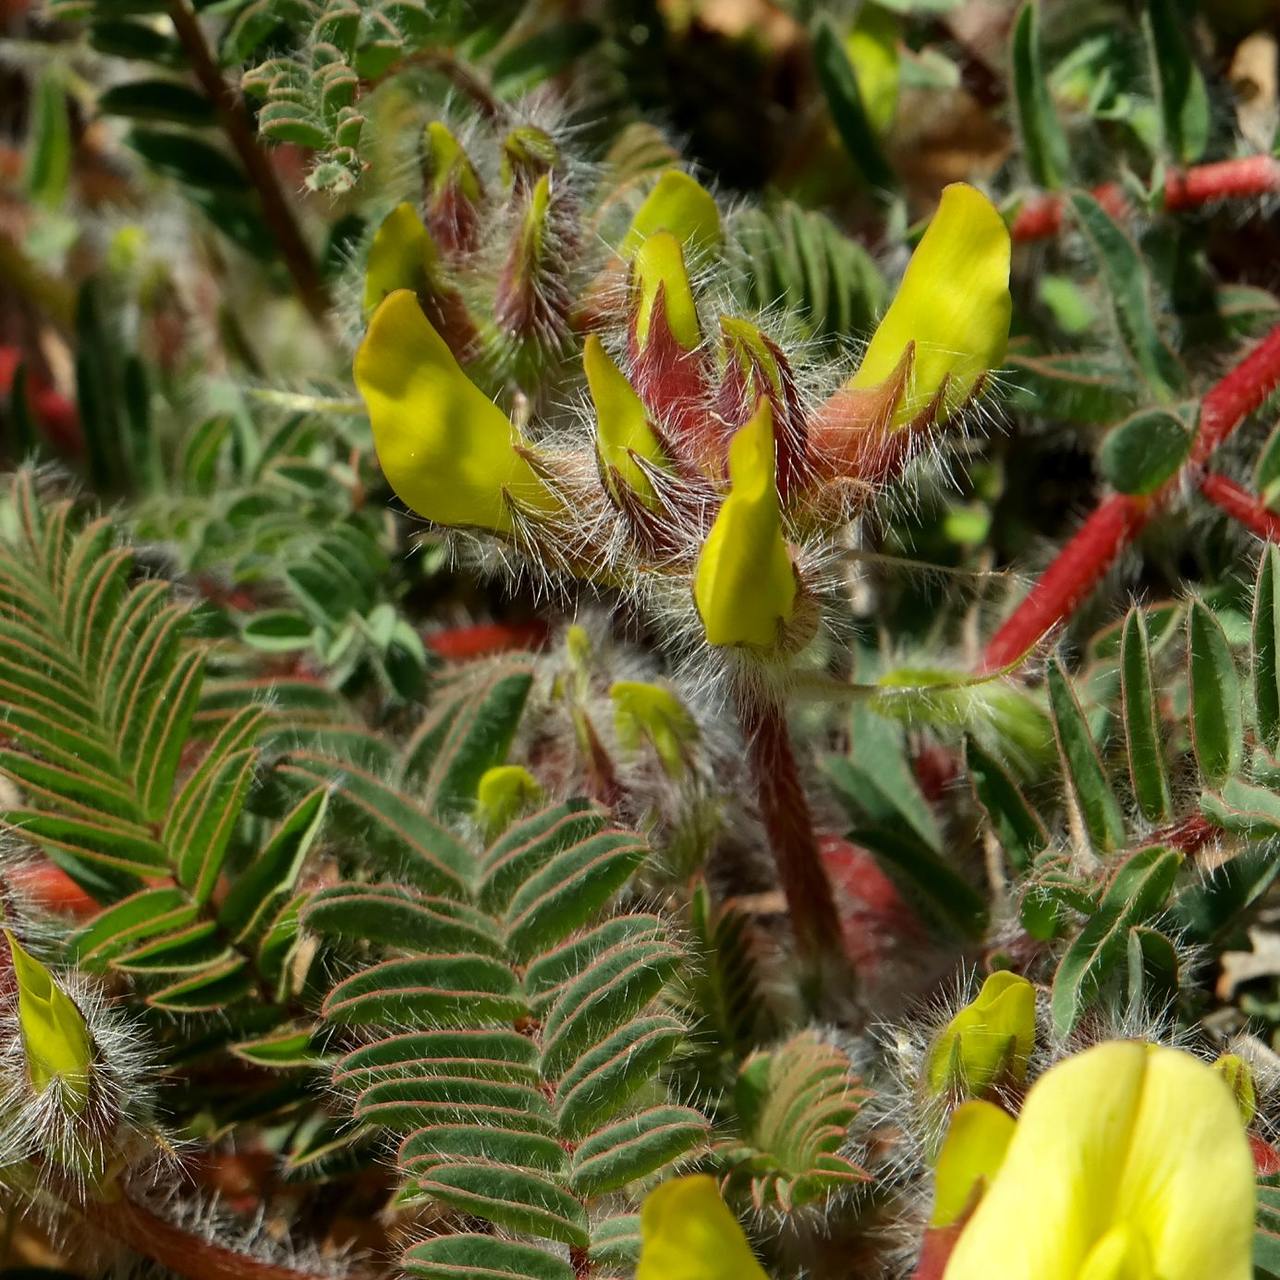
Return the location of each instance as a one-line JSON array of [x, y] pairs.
[[1241, 505], [1119, 518], [1042, 217], [177, 1250], [784, 810]]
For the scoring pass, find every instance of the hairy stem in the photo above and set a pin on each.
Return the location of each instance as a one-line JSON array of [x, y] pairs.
[[1119, 518], [1249, 176], [784, 810], [180, 1251], [238, 127], [1242, 505]]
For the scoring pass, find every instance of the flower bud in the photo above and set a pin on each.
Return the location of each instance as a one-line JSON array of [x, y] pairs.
[[688, 1233], [404, 256], [665, 312], [528, 153], [55, 1038], [684, 208], [1128, 1162], [755, 366], [972, 1152], [1239, 1077], [453, 191], [744, 585], [447, 450], [503, 792], [532, 300], [650, 711], [626, 442], [988, 1041]]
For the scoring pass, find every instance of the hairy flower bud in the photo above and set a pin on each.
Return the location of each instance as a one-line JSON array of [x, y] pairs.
[[650, 711], [453, 190], [448, 451], [55, 1037], [988, 1041], [502, 793], [745, 585]]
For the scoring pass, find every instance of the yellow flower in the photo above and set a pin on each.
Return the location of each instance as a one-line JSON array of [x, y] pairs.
[[951, 310], [448, 451], [681, 206], [688, 1233], [745, 585], [1129, 1162], [624, 436], [977, 1139], [402, 256], [55, 1039], [989, 1039]]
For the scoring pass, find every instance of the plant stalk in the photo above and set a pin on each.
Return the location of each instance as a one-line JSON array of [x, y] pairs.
[[1242, 505], [1119, 518], [177, 1250], [238, 126], [1243, 178], [788, 823]]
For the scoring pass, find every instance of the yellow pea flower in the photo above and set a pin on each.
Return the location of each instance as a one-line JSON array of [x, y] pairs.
[[679, 205], [974, 1149], [55, 1038], [989, 1039], [951, 312], [744, 584], [624, 434], [402, 256], [688, 1233], [1128, 1162], [448, 451]]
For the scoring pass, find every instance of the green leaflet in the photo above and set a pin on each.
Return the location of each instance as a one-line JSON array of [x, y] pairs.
[[1082, 766], [1266, 647], [1044, 144], [1217, 718], [1143, 741], [1137, 892], [1018, 827], [1180, 88]]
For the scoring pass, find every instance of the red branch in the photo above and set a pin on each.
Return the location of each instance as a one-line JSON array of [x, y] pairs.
[[1241, 505], [1042, 217], [1118, 519]]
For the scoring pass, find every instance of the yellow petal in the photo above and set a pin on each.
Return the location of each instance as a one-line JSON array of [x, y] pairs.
[[1121, 1254], [744, 585], [55, 1038], [402, 256], [623, 431], [977, 1139], [953, 304], [447, 450], [1124, 1136], [990, 1038], [681, 206], [658, 270], [688, 1233]]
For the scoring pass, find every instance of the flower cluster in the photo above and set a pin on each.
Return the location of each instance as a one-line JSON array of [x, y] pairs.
[[712, 479]]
